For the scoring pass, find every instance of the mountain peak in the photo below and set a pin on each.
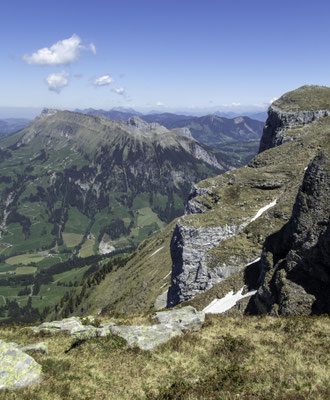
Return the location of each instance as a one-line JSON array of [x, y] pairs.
[[49, 111], [305, 98]]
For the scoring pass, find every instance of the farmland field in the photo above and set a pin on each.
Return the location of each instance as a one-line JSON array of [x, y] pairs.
[[25, 259]]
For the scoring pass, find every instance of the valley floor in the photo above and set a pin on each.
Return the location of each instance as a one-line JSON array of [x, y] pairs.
[[230, 357]]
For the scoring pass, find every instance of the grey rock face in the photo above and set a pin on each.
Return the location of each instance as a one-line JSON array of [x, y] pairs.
[[66, 325], [295, 266], [278, 122], [17, 369], [188, 318], [194, 206], [147, 337], [208, 158], [190, 273]]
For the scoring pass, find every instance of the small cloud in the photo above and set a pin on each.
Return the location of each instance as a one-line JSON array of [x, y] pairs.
[[272, 100], [56, 82], [63, 52], [160, 104], [92, 48], [231, 105], [103, 80], [120, 91]]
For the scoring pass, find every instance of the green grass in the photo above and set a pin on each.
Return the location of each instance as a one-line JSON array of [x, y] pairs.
[[25, 270], [25, 259], [72, 239], [70, 276], [87, 249], [54, 259], [49, 295], [77, 222], [307, 97]]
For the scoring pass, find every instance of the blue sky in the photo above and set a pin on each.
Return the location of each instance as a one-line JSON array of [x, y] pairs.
[[160, 54]]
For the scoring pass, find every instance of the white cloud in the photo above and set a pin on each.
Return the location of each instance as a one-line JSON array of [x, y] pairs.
[[56, 82], [92, 48], [272, 100], [103, 80], [231, 105], [120, 91], [63, 52], [160, 104]]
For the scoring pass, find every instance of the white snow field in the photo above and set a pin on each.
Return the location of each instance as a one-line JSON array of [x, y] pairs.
[[219, 306], [263, 209]]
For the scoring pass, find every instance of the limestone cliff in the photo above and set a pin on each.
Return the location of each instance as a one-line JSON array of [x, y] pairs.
[[295, 265], [229, 216], [279, 122]]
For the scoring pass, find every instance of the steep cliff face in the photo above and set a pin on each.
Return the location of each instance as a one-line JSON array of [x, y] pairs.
[[279, 122], [299, 107], [295, 265], [228, 217]]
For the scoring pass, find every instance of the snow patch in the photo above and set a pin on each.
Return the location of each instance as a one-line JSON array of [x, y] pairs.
[[167, 275], [163, 285], [263, 209], [219, 306], [155, 252], [254, 261]]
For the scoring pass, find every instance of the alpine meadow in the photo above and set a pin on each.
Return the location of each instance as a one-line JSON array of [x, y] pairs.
[[164, 201]]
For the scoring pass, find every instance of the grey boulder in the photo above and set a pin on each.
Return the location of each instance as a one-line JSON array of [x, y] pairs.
[[17, 369]]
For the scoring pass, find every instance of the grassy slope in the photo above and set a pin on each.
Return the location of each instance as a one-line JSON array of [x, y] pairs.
[[231, 357], [309, 97], [137, 285]]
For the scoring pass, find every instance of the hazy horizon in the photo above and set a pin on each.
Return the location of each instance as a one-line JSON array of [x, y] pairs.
[[172, 57]]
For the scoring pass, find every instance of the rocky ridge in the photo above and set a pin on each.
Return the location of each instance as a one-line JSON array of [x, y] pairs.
[[228, 217], [295, 267], [171, 323], [279, 122]]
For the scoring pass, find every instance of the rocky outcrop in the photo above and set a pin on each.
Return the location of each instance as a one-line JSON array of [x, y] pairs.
[[295, 266], [17, 369], [171, 323], [190, 273], [147, 337], [188, 318], [278, 122], [228, 217], [194, 205]]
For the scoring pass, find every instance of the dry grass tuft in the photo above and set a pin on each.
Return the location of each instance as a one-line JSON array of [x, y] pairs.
[[231, 357]]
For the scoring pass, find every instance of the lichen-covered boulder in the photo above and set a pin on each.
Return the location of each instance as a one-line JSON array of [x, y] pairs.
[[66, 325], [17, 369], [40, 347], [146, 337], [188, 318], [88, 332]]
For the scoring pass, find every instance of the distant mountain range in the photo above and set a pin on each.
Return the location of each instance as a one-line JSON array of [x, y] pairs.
[[210, 129], [76, 174], [11, 125]]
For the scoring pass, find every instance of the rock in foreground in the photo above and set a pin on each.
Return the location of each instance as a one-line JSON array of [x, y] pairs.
[[17, 369]]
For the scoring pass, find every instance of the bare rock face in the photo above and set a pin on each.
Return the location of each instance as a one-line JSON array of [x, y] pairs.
[[295, 266], [279, 122], [228, 217], [190, 274]]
